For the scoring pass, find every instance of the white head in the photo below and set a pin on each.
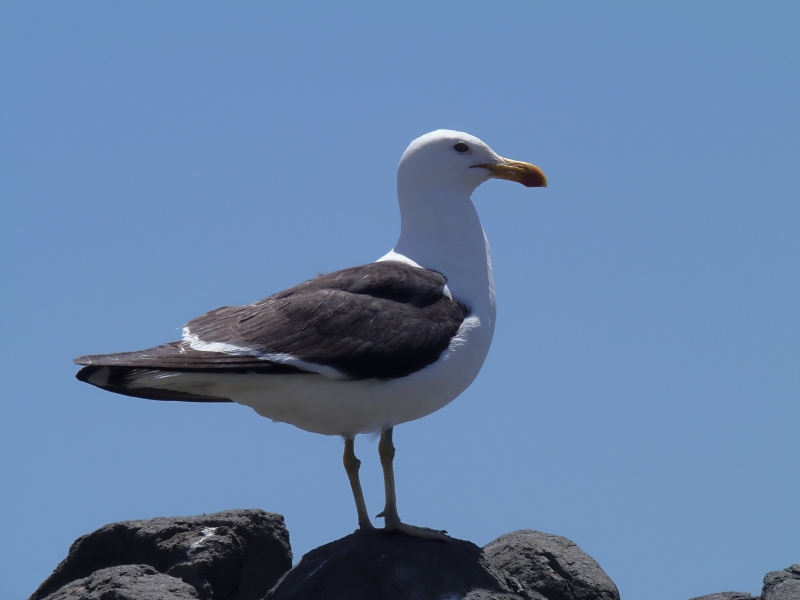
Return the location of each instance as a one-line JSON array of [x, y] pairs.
[[439, 226], [456, 161]]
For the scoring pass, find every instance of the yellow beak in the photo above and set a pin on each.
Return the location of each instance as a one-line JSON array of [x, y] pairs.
[[525, 173]]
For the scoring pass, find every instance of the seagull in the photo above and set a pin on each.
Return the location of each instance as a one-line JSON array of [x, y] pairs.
[[361, 350]]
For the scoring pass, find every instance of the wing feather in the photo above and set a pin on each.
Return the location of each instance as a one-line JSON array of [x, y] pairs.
[[382, 320]]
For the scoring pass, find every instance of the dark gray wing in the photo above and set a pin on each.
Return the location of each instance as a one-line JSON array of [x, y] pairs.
[[382, 320], [179, 356]]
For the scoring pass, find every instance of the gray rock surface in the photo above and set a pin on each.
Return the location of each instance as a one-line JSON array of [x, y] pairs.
[[778, 585], [245, 555], [374, 564], [541, 565], [230, 555], [367, 565], [782, 585], [727, 596], [126, 582]]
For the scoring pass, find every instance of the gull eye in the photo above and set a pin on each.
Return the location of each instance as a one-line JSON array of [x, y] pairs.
[[460, 147]]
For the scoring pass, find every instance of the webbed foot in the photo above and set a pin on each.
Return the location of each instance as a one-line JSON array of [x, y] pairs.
[[395, 524]]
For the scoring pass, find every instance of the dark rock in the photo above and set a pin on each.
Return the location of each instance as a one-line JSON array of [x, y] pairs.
[[782, 585], [727, 596], [376, 565], [778, 585], [523, 564], [230, 555], [126, 582], [541, 565], [239, 555]]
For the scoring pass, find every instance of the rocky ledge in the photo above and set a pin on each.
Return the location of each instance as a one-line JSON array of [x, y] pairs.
[[231, 555], [778, 585], [245, 555]]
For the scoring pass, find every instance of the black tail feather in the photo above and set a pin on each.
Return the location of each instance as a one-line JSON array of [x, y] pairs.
[[115, 379]]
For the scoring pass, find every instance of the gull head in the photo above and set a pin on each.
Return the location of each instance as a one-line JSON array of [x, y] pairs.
[[454, 160]]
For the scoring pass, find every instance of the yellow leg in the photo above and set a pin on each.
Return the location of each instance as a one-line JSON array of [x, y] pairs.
[[391, 518], [351, 465]]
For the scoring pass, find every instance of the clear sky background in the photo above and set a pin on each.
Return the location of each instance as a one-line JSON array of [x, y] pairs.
[[642, 395]]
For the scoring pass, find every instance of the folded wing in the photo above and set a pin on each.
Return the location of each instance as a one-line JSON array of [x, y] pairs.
[[382, 320]]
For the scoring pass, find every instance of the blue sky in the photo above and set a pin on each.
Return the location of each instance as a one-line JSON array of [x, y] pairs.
[[158, 160]]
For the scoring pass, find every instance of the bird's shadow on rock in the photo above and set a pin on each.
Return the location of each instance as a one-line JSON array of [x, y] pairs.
[[377, 564]]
